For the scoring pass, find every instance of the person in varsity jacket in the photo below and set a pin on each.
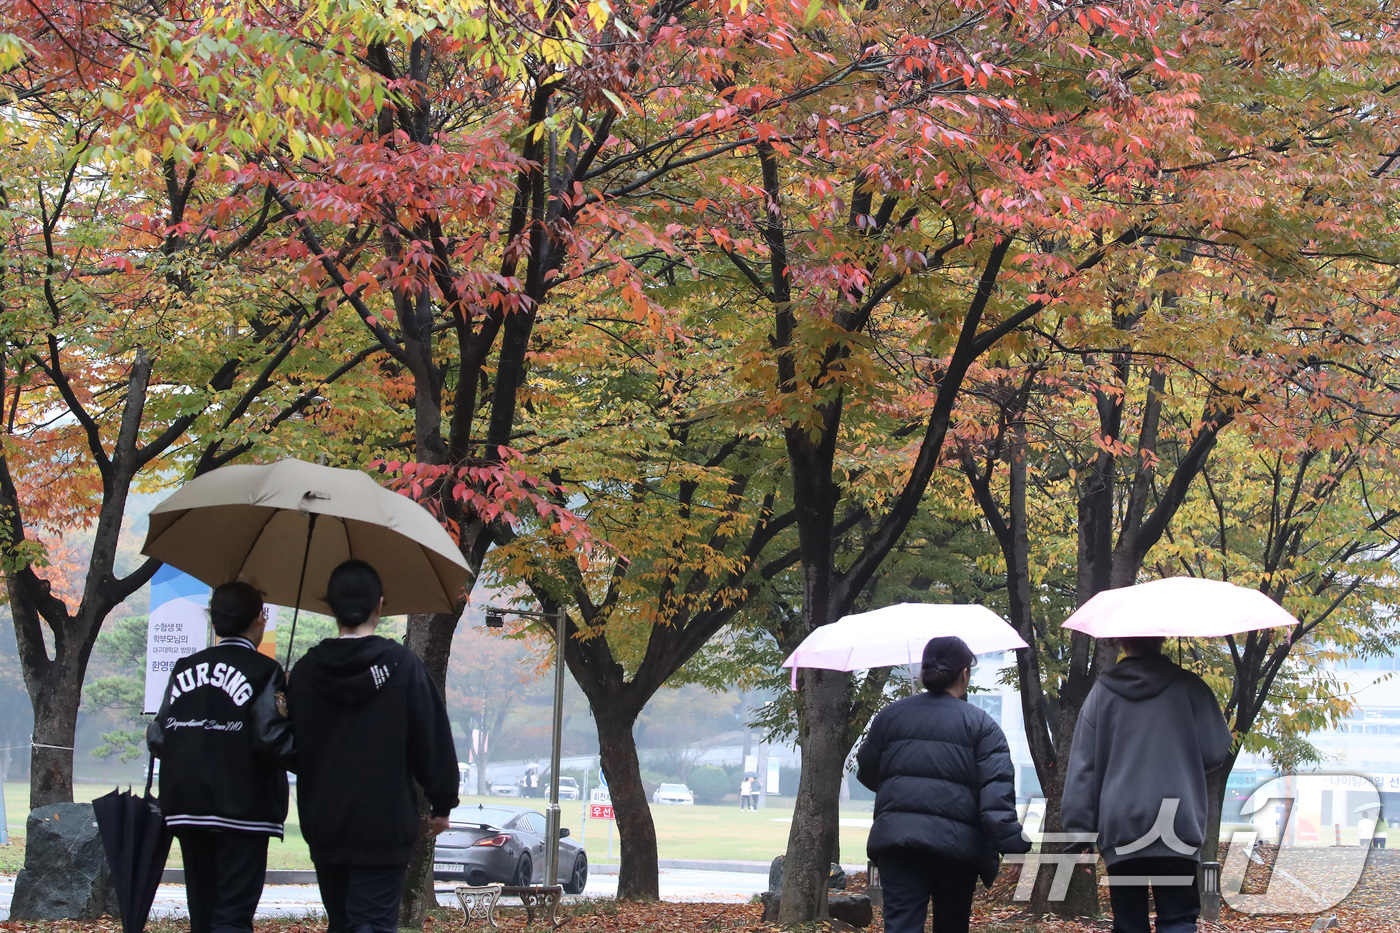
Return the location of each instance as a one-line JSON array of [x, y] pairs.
[[225, 744]]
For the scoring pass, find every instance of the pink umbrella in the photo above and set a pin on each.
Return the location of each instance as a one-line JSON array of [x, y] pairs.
[[897, 635], [1178, 607]]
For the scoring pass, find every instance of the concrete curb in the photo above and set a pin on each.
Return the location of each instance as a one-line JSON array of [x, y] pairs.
[[303, 876], [760, 868], [273, 876]]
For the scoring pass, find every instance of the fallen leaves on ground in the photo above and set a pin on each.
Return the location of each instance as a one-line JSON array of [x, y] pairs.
[[1372, 907]]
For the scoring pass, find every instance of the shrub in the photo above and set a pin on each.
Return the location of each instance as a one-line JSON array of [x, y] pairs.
[[709, 784]]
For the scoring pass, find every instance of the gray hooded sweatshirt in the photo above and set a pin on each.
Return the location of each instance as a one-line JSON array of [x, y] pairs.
[[1147, 735]]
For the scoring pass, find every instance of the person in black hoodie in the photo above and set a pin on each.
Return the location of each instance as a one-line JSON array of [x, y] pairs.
[[945, 796], [372, 724], [1148, 733], [225, 744]]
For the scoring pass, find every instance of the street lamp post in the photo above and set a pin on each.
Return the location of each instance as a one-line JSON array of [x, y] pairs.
[[560, 619]]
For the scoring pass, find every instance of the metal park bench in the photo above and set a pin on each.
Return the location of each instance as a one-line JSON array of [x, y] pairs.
[[479, 901]]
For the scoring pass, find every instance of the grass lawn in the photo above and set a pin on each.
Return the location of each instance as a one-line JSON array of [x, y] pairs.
[[723, 832], [730, 833]]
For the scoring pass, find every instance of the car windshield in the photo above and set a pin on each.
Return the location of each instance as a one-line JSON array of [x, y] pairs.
[[491, 816], [568, 782], [674, 789]]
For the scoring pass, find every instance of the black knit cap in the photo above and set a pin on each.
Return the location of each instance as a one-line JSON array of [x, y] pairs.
[[948, 653]]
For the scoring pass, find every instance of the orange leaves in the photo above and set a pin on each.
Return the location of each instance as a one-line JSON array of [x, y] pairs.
[[716, 121], [494, 492]]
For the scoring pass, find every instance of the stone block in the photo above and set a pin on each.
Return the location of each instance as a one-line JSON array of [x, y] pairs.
[[65, 874], [772, 901], [854, 909], [835, 881]]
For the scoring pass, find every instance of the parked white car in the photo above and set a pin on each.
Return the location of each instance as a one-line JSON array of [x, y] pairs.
[[673, 794], [568, 788]]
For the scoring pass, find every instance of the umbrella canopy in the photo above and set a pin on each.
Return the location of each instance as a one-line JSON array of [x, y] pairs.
[[1184, 607], [137, 843], [265, 525], [897, 635]]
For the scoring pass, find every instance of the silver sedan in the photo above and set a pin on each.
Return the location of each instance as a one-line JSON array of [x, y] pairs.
[[504, 844]]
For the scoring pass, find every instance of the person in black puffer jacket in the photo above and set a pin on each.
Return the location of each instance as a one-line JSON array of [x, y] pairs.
[[945, 798], [370, 724]]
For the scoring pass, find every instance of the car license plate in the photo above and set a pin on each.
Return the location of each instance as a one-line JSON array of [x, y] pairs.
[[447, 866]]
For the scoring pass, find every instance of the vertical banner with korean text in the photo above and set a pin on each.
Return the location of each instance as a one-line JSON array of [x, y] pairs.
[[268, 645], [178, 625]]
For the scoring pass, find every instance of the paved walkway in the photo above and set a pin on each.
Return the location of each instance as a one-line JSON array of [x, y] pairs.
[[304, 900]]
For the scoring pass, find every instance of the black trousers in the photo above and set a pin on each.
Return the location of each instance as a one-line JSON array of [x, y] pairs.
[[910, 880], [1178, 905], [223, 878], [361, 898]]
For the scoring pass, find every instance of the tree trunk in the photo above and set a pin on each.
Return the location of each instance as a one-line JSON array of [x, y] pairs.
[[815, 827], [55, 705], [429, 636], [638, 875], [418, 894], [480, 759], [1215, 802], [1082, 897]]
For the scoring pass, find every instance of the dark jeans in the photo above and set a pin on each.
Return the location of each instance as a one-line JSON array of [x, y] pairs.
[[909, 880], [361, 898], [1178, 905], [223, 878]]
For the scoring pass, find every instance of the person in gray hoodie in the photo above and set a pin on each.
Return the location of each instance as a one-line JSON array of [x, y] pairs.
[[1148, 733]]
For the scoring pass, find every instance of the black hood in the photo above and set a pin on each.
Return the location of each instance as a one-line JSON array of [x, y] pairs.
[[1140, 678], [350, 670]]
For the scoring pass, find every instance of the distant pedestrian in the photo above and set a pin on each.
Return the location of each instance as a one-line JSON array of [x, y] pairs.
[[225, 744], [945, 798], [1147, 734], [744, 794], [373, 724]]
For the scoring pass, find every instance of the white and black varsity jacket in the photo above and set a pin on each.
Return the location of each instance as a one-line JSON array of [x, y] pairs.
[[225, 741]]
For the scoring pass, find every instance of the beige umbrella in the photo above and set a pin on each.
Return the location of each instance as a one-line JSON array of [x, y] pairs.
[[284, 527]]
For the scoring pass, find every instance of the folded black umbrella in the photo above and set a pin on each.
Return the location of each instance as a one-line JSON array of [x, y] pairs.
[[137, 841]]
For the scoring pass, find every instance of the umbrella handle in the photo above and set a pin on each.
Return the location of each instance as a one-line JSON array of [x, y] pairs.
[[301, 583]]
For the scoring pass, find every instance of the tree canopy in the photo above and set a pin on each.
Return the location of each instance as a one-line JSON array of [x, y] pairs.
[[695, 314]]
